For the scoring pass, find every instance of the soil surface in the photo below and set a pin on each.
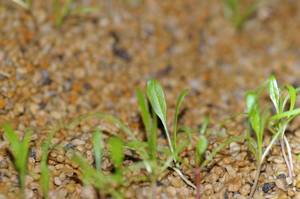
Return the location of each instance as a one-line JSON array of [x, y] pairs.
[[95, 62]]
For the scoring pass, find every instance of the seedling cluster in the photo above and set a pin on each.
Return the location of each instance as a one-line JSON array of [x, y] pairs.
[[276, 122], [158, 159]]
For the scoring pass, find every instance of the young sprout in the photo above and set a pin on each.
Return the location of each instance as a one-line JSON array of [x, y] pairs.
[[98, 147], [26, 4], [257, 120], [63, 10], [95, 176], [236, 14], [19, 150], [284, 102], [201, 147], [45, 175], [277, 124], [158, 103]]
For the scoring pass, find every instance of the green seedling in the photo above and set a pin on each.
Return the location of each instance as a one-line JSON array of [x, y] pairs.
[[26, 4], [63, 10], [19, 150], [257, 120], [201, 147], [203, 160], [98, 147], [45, 173], [158, 103], [284, 101], [238, 14], [106, 183]]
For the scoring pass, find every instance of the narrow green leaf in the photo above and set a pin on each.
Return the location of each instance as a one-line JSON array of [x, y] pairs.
[[116, 149], [97, 145], [179, 101], [156, 97], [45, 175], [204, 126], [12, 138], [292, 95], [157, 100], [274, 92], [201, 145], [144, 109], [251, 100], [291, 113]]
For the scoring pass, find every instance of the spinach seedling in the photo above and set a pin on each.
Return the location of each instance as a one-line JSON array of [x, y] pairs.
[[19, 150]]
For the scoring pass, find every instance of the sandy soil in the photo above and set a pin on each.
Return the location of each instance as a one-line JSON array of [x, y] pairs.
[[95, 62]]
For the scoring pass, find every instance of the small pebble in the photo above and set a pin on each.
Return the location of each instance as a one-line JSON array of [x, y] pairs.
[[57, 181], [268, 186]]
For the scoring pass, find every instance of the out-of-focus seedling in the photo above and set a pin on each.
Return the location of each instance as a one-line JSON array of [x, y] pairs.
[[106, 183], [26, 4], [238, 14], [19, 150], [201, 156], [63, 9]]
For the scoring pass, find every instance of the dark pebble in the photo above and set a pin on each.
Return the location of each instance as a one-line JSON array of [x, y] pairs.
[[45, 78], [268, 186]]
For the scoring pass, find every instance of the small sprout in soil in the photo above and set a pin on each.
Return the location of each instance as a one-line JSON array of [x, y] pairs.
[[98, 147], [201, 147], [64, 9], [26, 4], [238, 13], [45, 173], [158, 103], [19, 150], [107, 183], [284, 101]]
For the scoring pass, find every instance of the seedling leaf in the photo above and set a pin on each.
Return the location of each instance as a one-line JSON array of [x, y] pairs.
[[156, 97], [274, 92], [179, 101], [116, 149], [97, 145]]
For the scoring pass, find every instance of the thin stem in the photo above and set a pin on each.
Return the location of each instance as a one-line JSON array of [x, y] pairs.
[[153, 188], [289, 151], [198, 182], [170, 144], [266, 152], [187, 181], [256, 180], [282, 144]]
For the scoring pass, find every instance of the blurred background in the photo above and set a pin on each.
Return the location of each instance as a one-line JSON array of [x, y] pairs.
[[62, 58]]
